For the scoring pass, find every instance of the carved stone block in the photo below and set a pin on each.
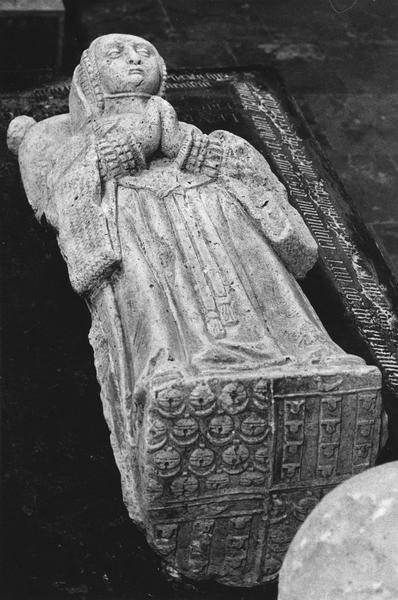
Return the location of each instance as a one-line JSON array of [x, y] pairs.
[[232, 466]]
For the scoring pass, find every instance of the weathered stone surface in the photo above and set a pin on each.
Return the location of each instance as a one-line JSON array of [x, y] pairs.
[[17, 130], [347, 548], [230, 408]]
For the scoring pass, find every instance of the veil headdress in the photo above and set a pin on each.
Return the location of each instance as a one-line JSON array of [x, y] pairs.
[[87, 97]]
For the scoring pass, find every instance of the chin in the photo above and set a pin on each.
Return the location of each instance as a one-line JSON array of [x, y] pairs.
[[127, 89], [135, 80]]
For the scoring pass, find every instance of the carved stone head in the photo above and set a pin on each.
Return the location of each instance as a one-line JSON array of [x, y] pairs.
[[114, 64], [127, 64]]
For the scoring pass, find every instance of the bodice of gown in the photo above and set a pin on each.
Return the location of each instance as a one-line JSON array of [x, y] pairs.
[[162, 177], [205, 287]]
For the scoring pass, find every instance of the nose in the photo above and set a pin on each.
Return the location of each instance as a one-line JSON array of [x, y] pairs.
[[133, 57]]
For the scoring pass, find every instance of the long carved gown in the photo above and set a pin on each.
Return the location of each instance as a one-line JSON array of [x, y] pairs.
[[186, 275], [201, 290]]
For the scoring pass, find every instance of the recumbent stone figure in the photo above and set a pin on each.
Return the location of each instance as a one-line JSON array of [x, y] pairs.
[[210, 358]]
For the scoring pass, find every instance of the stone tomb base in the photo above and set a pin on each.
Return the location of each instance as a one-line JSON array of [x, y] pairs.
[[231, 466]]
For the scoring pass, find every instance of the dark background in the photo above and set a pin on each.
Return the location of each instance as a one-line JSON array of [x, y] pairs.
[[65, 530]]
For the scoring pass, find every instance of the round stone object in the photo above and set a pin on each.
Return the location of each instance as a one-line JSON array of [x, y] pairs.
[[347, 549], [17, 130]]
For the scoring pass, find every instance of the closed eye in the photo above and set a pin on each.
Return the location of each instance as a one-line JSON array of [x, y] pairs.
[[114, 53], [143, 50]]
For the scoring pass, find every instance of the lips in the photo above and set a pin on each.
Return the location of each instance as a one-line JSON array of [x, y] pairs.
[[136, 71]]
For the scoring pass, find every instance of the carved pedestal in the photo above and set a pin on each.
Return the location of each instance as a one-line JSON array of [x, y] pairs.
[[231, 467]]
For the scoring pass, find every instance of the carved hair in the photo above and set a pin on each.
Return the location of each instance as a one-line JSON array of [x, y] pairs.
[[87, 98]]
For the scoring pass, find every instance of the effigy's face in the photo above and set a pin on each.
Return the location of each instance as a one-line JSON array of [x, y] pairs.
[[127, 64]]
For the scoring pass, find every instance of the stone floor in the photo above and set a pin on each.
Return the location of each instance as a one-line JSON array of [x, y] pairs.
[[339, 59]]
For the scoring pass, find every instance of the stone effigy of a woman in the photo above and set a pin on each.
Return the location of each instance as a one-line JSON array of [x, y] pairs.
[[210, 358]]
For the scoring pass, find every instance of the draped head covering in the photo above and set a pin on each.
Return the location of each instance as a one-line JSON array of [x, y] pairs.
[[86, 99]]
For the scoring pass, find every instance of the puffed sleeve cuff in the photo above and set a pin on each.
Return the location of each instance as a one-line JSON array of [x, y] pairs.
[[85, 240], [118, 153], [200, 153]]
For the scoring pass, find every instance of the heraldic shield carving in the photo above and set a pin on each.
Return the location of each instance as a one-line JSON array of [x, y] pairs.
[[232, 468]]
